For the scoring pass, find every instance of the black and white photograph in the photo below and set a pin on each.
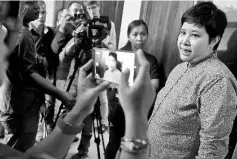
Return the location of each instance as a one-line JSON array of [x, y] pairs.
[[118, 79]]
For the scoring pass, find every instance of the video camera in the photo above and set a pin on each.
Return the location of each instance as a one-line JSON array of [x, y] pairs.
[[92, 33], [94, 29]]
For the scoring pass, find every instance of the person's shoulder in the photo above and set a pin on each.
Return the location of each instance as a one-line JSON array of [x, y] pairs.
[[216, 68], [151, 58]]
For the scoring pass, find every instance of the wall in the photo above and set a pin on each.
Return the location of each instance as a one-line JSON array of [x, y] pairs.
[[50, 7]]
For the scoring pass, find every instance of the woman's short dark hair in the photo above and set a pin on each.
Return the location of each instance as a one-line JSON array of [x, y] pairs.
[[136, 23], [207, 15], [114, 55]]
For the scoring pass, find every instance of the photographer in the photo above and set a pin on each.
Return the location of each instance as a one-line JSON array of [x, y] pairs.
[[63, 32], [21, 91], [93, 9], [63, 35], [109, 42]]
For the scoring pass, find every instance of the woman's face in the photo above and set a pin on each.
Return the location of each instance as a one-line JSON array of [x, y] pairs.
[[111, 63], [138, 37], [193, 43]]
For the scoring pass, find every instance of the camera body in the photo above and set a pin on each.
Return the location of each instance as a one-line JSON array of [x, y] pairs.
[[95, 29], [92, 33]]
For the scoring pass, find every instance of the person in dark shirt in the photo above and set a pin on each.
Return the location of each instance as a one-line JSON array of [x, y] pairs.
[[137, 34], [46, 59], [20, 93]]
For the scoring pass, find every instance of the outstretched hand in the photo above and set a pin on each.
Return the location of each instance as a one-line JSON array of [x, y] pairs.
[[88, 90], [15, 24], [138, 98]]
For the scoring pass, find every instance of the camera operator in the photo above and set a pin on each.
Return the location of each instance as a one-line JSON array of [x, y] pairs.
[[68, 56], [93, 9], [63, 34], [66, 27], [109, 42], [21, 91]]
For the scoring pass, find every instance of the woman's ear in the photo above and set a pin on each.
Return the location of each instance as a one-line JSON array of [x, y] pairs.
[[214, 41]]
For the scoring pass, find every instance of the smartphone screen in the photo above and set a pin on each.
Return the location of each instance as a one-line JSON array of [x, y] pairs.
[[108, 64], [14, 9]]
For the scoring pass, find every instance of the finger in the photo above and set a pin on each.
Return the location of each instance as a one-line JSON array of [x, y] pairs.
[[144, 68], [23, 13], [101, 87], [84, 68], [123, 83], [68, 17]]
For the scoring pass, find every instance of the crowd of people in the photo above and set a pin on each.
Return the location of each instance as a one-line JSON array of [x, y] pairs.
[[190, 117]]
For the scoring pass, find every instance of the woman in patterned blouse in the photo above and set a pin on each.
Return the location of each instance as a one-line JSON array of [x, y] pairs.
[[194, 112]]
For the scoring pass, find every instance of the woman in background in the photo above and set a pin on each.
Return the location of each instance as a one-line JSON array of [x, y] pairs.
[[137, 34]]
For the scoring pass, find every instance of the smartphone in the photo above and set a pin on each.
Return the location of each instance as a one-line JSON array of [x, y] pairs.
[[14, 9], [108, 64]]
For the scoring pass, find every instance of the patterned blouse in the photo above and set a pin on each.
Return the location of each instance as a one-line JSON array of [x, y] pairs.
[[194, 112]]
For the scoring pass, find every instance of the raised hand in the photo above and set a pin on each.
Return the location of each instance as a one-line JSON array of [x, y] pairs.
[[88, 91], [15, 24], [137, 99]]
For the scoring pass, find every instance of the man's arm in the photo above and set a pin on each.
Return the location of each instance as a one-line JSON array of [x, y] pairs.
[[63, 34], [67, 98], [58, 143]]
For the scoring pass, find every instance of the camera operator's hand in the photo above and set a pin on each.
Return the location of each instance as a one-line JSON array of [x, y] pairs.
[[78, 30], [69, 48], [68, 99], [137, 99], [66, 25], [88, 91]]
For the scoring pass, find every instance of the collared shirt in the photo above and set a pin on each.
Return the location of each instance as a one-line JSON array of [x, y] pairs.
[[43, 47], [33, 27], [194, 112]]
